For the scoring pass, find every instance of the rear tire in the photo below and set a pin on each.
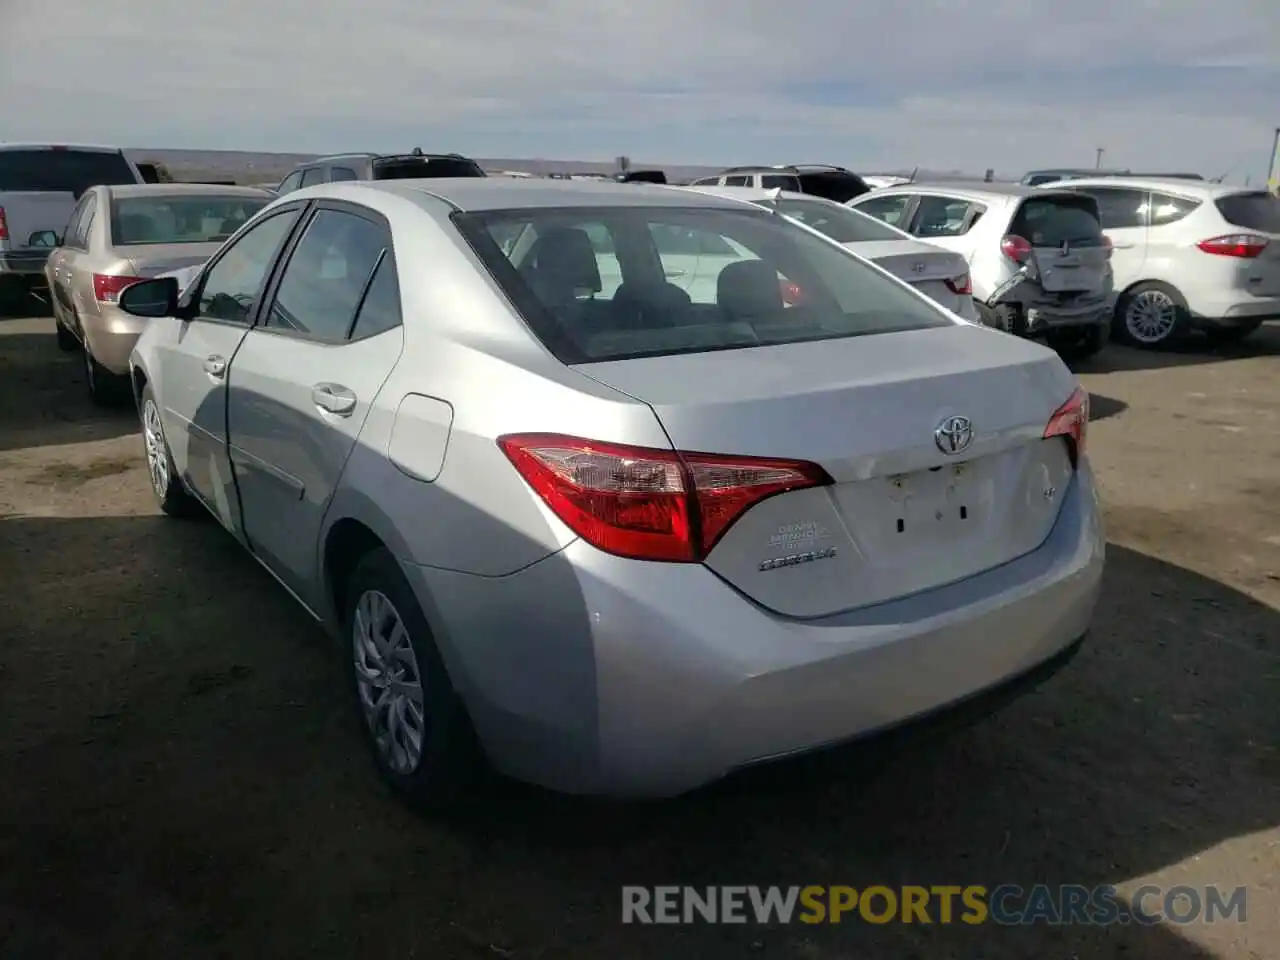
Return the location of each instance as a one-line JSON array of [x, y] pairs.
[[67, 341], [106, 389], [1150, 316], [1226, 336], [166, 485], [1079, 345], [403, 693]]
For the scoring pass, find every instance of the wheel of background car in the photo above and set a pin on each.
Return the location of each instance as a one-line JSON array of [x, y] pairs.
[[413, 719], [67, 341], [1151, 315], [165, 483]]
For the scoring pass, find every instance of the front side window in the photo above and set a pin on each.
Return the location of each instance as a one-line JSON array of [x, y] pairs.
[[313, 176], [179, 218], [232, 286], [326, 276], [842, 224], [776, 284], [290, 183], [77, 218]]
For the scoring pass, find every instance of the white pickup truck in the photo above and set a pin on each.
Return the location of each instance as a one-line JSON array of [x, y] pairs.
[[40, 185]]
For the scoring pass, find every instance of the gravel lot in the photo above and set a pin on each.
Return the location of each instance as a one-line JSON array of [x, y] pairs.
[[181, 774]]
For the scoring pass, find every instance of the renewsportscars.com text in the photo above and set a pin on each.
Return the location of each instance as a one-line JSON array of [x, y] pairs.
[[1007, 904]]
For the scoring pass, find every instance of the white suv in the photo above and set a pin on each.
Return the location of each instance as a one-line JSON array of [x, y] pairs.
[[1039, 263], [1188, 255]]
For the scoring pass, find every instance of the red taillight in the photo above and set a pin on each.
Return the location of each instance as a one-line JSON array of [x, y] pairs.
[[1071, 420], [4, 226], [791, 292], [1243, 245], [1016, 248], [645, 503], [961, 285], [107, 288]]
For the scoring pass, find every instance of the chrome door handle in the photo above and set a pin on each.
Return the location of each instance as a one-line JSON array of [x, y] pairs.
[[215, 367], [333, 398]]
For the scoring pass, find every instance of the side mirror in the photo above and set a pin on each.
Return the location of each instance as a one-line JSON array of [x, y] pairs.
[[151, 298], [44, 238]]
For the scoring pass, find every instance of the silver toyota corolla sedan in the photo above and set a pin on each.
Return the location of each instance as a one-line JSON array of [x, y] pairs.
[[607, 535]]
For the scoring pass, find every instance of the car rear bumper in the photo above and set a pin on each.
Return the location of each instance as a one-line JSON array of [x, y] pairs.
[[28, 263], [589, 673], [1043, 317], [111, 334], [1234, 310]]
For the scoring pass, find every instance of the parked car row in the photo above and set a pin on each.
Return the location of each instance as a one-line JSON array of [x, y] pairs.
[[1168, 255]]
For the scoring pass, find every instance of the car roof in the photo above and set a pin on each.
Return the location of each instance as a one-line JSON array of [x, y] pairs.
[[124, 191], [1200, 189], [474, 194], [749, 194], [969, 190], [86, 147], [361, 155]]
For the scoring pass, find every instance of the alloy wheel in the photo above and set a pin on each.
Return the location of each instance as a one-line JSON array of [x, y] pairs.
[[388, 681], [1151, 316], [157, 454]]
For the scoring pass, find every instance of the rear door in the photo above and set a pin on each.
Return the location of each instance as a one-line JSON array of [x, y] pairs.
[[1257, 213], [1066, 239], [56, 268], [1126, 220], [304, 379]]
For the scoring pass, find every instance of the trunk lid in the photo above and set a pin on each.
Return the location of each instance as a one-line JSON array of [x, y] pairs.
[[924, 266], [1066, 238], [26, 213], [1256, 212], [902, 516], [151, 260]]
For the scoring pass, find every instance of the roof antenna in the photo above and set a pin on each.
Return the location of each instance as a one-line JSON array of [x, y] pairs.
[[417, 151]]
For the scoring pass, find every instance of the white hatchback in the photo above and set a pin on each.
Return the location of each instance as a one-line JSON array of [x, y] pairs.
[[1188, 255]]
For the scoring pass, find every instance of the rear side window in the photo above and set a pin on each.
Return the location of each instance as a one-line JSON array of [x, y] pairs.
[[778, 284], [312, 176], [1166, 209], [326, 276], [342, 173], [1253, 211], [289, 183], [63, 171], [773, 181], [891, 209], [737, 181], [833, 185], [1118, 208], [1053, 221]]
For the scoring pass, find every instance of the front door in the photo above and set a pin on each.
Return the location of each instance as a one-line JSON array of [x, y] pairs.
[[303, 381], [194, 363]]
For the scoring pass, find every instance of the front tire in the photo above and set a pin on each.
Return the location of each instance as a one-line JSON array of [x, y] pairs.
[[166, 485], [413, 719], [1151, 316]]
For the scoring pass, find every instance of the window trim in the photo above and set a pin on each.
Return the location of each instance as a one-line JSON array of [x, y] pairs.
[[191, 299], [286, 256]]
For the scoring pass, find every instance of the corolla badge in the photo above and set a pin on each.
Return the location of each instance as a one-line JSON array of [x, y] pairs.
[[953, 435]]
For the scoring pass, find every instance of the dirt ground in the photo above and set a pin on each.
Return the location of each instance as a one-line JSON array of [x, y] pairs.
[[181, 775]]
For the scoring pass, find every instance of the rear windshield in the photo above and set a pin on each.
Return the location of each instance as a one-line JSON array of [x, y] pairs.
[[415, 168], [833, 185], [63, 171], [697, 279], [1253, 211], [840, 223], [178, 219], [1053, 221]]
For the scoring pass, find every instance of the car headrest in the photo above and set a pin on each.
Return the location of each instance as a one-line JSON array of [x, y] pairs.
[[749, 288], [564, 260]]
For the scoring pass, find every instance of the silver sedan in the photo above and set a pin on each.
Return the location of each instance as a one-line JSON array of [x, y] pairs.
[[606, 534]]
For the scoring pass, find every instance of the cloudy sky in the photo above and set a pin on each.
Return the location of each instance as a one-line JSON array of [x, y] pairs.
[[946, 84]]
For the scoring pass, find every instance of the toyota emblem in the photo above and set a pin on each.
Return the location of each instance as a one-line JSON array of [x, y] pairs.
[[953, 435]]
